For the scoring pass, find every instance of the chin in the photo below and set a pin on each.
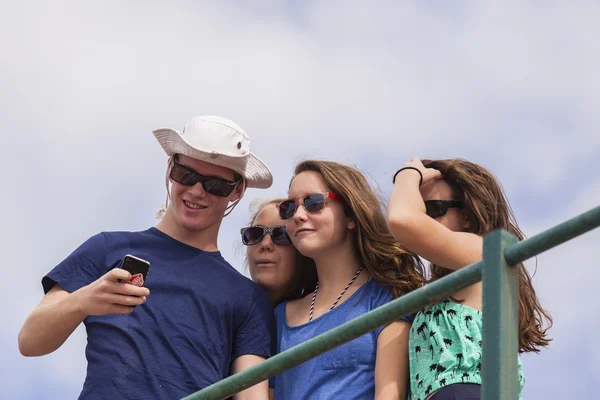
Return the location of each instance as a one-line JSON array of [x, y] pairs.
[[308, 250], [193, 224], [266, 284]]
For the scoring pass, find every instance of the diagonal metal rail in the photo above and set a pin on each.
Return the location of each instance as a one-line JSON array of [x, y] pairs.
[[499, 310]]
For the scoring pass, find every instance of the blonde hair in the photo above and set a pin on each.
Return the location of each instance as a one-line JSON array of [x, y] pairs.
[[305, 270]]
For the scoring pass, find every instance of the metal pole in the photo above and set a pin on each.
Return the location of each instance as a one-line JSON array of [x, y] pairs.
[[499, 367]]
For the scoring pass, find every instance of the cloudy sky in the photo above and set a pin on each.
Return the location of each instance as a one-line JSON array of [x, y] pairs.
[[512, 85]]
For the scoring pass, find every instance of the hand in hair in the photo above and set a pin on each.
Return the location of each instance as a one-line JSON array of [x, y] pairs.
[[428, 174], [448, 245]]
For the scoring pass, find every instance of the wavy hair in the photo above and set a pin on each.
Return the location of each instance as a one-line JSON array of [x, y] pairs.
[[487, 209], [390, 264]]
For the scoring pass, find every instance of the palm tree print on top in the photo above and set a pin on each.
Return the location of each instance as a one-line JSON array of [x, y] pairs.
[[450, 336], [432, 335], [421, 329], [468, 318]]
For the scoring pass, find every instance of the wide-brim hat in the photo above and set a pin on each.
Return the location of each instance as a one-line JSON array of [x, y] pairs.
[[218, 141]]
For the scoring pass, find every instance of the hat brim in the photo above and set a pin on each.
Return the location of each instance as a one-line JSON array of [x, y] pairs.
[[251, 168]]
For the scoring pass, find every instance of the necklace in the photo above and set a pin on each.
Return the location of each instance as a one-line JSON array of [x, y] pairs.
[[312, 303]]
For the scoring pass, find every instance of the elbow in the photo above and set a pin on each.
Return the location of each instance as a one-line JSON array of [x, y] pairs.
[[24, 346], [27, 347]]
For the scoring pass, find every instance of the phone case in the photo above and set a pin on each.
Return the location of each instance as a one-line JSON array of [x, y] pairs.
[[138, 269]]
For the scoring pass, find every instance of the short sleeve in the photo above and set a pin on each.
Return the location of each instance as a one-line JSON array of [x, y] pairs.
[[81, 267], [381, 296], [255, 333]]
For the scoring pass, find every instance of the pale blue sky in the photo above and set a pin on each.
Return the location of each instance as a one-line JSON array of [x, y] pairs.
[[511, 85]]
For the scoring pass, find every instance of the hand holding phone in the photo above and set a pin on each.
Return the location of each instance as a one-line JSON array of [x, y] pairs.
[[137, 267], [109, 295]]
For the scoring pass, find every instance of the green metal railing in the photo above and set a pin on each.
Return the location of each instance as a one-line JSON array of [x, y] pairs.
[[501, 251]]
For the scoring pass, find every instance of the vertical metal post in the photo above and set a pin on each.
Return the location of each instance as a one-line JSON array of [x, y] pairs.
[[500, 320]]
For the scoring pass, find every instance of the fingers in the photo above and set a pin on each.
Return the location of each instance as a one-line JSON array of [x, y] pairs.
[[428, 173], [123, 300], [416, 162], [129, 290], [116, 274]]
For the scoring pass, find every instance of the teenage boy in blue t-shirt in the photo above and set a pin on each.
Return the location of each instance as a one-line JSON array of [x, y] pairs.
[[196, 319]]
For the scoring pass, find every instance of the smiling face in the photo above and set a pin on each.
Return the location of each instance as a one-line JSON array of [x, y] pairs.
[[272, 266], [319, 232], [192, 209]]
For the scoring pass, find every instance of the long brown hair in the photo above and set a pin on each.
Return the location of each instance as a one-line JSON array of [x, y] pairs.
[[390, 264], [305, 277], [487, 209]]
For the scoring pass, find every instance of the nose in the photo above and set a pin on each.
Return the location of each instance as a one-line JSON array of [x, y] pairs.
[[197, 190], [300, 215], [266, 244]]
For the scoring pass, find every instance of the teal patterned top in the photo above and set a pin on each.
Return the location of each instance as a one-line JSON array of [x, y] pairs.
[[445, 348]]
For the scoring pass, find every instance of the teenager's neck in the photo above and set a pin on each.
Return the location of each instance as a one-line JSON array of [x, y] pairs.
[[336, 268], [205, 239]]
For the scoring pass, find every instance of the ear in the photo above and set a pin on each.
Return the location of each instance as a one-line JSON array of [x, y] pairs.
[[237, 193], [351, 224], [464, 221]]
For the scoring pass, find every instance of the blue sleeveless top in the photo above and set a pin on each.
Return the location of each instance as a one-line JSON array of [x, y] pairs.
[[346, 372]]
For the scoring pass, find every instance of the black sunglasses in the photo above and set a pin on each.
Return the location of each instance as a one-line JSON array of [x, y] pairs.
[[313, 203], [437, 208], [253, 235], [213, 185]]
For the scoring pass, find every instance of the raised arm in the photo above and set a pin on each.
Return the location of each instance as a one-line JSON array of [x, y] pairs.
[[418, 232], [60, 312]]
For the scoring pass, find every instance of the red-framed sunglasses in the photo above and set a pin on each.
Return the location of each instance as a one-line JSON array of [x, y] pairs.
[[312, 203]]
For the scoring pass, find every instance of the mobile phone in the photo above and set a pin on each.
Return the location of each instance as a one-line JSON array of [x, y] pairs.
[[137, 267]]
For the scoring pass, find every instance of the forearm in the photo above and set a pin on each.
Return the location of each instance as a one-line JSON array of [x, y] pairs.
[[256, 392], [391, 364], [49, 325], [406, 203]]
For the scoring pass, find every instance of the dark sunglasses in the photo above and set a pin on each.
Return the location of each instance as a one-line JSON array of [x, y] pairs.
[[313, 203], [213, 185], [253, 235], [437, 208]]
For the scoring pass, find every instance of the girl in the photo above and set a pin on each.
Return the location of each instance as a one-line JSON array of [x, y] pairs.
[[444, 222], [334, 218], [273, 261]]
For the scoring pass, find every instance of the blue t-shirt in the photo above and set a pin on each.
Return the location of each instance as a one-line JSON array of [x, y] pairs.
[[346, 372], [200, 316]]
